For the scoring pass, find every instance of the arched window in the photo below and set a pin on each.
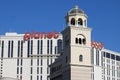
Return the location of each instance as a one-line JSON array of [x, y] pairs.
[[80, 22], [72, 21], [76, 40], [80, 41], [85, 23], [84, 41], [81, 58]]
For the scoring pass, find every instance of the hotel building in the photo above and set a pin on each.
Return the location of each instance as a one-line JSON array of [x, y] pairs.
[[82, 58], [27, 58]]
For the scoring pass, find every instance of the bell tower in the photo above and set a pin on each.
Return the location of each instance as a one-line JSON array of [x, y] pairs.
[[77, 45], [76, 17]]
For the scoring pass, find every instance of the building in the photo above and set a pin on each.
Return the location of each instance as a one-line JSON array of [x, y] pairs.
[[71, 55], [27, 56], [82, 58]]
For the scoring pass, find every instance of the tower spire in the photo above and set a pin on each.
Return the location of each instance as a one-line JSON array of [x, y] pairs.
[[76, 6]]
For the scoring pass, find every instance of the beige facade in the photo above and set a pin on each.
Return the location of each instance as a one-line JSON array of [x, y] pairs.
[[79, 72]]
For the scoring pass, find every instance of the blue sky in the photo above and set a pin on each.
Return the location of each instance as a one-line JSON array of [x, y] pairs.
[[48, 15]]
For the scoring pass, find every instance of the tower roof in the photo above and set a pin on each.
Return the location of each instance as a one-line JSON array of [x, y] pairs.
[[76, 10]]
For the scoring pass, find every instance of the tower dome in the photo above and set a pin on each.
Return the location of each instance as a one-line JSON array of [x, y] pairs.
[[76, 17], [76, 10]]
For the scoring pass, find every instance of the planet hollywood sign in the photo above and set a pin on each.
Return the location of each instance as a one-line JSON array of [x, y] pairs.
[[40, 35], [97, 45]]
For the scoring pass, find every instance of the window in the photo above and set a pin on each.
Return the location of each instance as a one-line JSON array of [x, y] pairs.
[[17, 62], [85, 22], [76, 40], [38, 42], [80, 22], [18, 48], [41, 46], [80, 41], [30, 77], [31, 70], [108, 55], [41, 70], [2, 49], [28, 48], [118, 58], [84, 41], [12, 48], [20, 77], [47, 46], [72, 21], [8, 49], [21, 70], [37, 70], [113, 56], [21, 48], [40, 77], [31, 46], [51, 47], [81, 58], [37, 77], [41, 62], [38, 62]]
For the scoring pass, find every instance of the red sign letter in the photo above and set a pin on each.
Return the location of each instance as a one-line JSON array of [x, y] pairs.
[[56, 35], [27, 36]]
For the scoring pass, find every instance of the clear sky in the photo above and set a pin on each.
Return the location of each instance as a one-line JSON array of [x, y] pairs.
[[48, 15]]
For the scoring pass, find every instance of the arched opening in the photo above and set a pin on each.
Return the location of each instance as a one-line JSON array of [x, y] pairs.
[[81, 58], [80, 22], [85, 23], [76, 40], [80, 41], [72, 21], [84, 41]]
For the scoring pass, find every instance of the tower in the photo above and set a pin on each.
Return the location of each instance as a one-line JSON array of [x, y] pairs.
[[75, 62], [77, 45]]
